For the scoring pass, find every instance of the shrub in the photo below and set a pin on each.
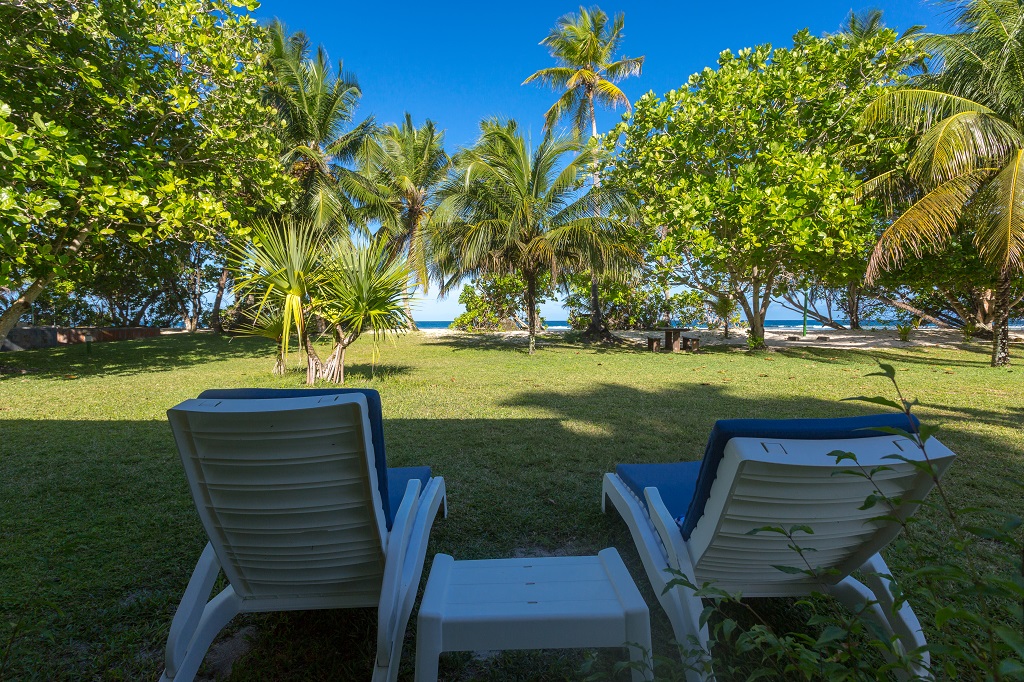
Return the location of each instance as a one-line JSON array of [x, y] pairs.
[[496, 303]]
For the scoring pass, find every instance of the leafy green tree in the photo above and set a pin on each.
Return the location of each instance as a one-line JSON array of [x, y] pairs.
[[497, 303], [746, 171], [633, 302], [965, 170], [317, 105], [585, 45], [104, 132], [407, 166], [513, 211]]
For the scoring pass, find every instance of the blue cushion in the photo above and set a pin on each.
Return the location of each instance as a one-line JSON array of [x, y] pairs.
[[398, 478], [675, 482], [375, 416], [797, 429]]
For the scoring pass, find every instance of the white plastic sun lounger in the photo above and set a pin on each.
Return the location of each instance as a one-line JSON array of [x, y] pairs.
[[695, 517], [301, 513]]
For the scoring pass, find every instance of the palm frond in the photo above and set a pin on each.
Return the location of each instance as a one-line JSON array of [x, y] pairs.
[[927, 224], [1000, 232]]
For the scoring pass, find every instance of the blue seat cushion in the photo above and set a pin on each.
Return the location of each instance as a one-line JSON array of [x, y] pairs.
[[376, 425], [675, 482], [398, 478]]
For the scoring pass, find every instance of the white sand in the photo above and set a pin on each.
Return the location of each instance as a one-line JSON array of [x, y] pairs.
[[775, 338]]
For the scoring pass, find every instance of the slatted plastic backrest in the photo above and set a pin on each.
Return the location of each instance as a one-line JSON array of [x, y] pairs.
[[287, 492], [797, 482]]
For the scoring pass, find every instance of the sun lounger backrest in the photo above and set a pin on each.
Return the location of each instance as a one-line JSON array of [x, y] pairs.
[[374, 414], [788, 482], [810, 429], [287, 492]]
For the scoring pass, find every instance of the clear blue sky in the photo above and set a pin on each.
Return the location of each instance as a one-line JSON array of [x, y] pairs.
[[457, 63]]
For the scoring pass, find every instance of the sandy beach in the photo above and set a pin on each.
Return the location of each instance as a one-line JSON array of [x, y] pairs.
[[777, 338]]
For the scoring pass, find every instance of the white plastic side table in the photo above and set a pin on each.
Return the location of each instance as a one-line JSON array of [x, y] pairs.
[[543, 603]]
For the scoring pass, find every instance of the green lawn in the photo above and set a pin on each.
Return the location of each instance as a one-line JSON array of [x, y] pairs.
[[99, 534]]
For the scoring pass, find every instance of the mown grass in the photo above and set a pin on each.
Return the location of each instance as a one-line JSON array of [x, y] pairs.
[[98, 534]]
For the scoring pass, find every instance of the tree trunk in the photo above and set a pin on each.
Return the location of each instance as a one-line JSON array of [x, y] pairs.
[[1001, 323], [279, 366], [411, 324], [596, 328], [334, 368], [222, 284], [314, 365], [531, 309], [21, 305], [853, 294]]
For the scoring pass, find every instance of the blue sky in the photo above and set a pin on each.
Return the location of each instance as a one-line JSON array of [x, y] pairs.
[[457, 63]]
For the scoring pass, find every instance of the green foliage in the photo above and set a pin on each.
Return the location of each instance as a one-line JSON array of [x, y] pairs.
[[407, 166], [104, 134], [747, 169], [315, 104], [903, 330], [300, 279], [497, 302], [633, 304], [511, 209], [584, 45]]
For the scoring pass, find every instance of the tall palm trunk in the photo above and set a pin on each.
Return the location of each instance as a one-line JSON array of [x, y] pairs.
[[596, 329], [1001, 323], [531, 308]]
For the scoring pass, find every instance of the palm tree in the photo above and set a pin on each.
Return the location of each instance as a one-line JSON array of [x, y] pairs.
[[407, 166], [316, 107], [584, 46], [513, 211], [966, 170]]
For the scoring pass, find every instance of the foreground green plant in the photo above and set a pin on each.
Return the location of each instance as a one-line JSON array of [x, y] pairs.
[[977, 609]]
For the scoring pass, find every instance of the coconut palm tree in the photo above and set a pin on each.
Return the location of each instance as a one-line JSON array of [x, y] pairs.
[[407, 165], [317, 106], [966, 170], [510, 210], [584, 46]]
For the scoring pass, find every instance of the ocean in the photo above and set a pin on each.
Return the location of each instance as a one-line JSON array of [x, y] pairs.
[[559, 325]]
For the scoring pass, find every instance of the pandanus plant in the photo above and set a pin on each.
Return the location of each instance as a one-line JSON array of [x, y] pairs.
[[303, 281]]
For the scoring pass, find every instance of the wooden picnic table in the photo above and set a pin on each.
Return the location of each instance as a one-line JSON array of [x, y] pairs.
[[673, 336]]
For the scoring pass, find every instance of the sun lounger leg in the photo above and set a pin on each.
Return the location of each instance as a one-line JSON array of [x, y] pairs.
[[680, 605], [197, 623], [903, 621]]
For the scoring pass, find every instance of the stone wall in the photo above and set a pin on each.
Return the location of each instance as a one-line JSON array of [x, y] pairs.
[[25, 338]]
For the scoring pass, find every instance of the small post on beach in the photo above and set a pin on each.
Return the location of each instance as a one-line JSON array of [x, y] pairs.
[[805, 313]]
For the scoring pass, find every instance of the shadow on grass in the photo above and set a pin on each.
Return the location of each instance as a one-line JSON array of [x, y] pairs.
[[912, 355], [98, 519], [157, 354], [520, 344]]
